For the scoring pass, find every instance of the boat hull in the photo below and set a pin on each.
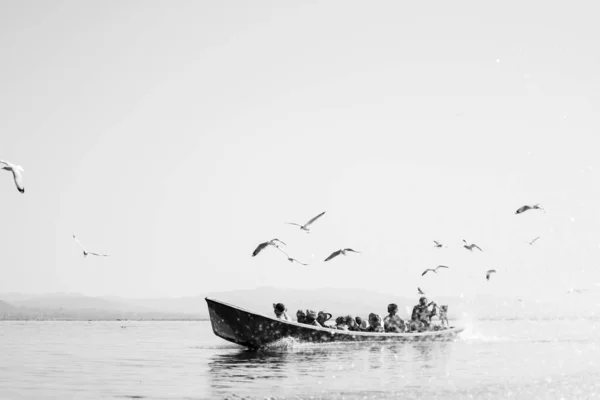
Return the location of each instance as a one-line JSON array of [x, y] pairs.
[[255, 330]]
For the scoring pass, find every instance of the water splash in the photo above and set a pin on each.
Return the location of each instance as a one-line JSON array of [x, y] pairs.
[[472, 334], [285, 343]]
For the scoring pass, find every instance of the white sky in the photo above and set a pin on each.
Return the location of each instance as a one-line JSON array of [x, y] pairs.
[[178, 135]]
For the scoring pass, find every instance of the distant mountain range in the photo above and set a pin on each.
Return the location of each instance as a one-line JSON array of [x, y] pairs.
[[75, 306]]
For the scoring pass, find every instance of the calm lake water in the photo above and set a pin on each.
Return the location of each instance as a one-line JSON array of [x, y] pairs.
[[184, 360]]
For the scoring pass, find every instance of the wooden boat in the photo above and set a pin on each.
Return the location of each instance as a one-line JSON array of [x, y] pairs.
[[255, 330]]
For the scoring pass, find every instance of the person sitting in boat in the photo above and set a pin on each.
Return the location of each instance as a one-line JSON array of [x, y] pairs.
[[375, 323], [311, 318], [281, 312], [393, 322], [323, 317], [361, 324], [301, 317], [340, 323], [421, 315], [351, 323]]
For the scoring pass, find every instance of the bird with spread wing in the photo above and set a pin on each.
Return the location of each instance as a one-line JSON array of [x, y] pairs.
[[85, 252], [262, 246], [471, 246], [528, 207], [338, 252], [16, 171], [306, 225], [291, 259], [434, 269]]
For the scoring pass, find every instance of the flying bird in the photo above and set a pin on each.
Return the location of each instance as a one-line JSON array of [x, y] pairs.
[[488, 273], [306, 225], [85, 252], [434, 269], [470, 247], [338, 252], [438, 244], [261, 246], [527, 207], [420, 291], [533, 241], [291, 259], [16, 171]]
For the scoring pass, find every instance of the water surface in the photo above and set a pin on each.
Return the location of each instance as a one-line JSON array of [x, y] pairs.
[[184, 360]]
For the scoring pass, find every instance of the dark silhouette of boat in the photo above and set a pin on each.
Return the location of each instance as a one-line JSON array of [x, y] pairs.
[[254, 331]]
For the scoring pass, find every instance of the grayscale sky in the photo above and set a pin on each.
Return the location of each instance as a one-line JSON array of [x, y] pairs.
[[176, 136]]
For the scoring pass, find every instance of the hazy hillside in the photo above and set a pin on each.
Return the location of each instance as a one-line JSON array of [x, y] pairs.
[[336, 301], [78, 302], [74, 306], [5, 307]]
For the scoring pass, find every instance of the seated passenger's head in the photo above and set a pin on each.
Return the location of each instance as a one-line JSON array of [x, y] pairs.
[[301, 316], [374, 319], [392, 308], [323, 317], [359, 321], [311, 315], [340, 321], [350, 321], [444, 308], [279, 309], [423, 301]]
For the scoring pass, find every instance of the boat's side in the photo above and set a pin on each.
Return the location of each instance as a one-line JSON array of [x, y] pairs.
[[254, 330]]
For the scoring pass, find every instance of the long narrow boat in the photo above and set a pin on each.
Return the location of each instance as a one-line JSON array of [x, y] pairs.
[[255, 330]]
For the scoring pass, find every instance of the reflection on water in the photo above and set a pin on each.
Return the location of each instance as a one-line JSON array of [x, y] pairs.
[[334, 366], [185, 360]]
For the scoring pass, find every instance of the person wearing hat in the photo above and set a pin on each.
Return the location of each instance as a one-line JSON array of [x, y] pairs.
[[311, 318], [281, 312], [393, 322], [323, 317]]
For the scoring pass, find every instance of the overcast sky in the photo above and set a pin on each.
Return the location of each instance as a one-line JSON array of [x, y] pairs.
[[176, 136]]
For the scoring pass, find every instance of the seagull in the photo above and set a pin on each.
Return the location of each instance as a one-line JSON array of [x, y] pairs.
[[438, 244], [420, 291], [488, 273], [340, 251], [533, 241], [434, 269], [527, 207], [261, 246], [85, 252], [291, 259], [16, 171], [305, 226], [471, 246]]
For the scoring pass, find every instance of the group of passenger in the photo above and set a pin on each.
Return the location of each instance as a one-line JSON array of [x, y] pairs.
[[420, 319]]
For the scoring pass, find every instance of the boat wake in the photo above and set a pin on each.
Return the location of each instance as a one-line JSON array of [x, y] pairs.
[[472, 334], [282, 344]]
